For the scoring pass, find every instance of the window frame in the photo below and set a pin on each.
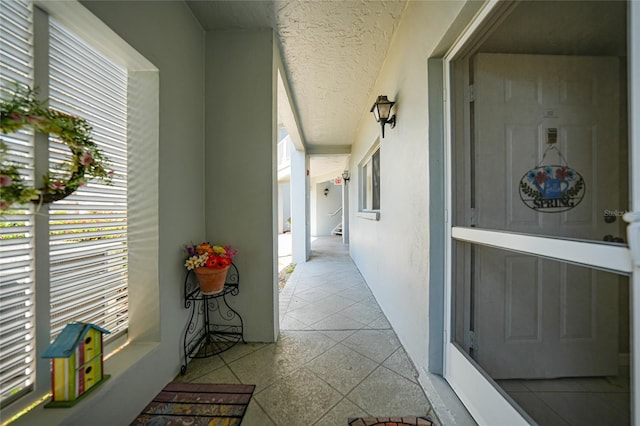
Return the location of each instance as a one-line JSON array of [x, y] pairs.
[[143, 198], [17, 350], [367, 187]]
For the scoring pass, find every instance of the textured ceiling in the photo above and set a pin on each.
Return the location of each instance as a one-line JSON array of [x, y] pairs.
[[332, 53]]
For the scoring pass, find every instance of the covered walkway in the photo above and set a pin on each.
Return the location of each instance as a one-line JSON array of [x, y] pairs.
[[337, 356]]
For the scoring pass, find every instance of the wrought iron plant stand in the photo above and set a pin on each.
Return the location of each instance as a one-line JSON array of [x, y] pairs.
[[213, 326]]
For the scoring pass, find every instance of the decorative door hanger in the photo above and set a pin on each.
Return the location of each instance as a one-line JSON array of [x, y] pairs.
[[552, 188]]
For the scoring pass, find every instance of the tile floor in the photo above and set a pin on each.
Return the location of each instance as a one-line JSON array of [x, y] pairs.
[[575, 401], [337, 356]]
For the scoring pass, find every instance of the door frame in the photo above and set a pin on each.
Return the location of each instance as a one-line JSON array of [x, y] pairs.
[[486, 401]]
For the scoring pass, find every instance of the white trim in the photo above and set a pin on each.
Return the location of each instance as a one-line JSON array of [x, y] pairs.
[[367, 159], [485, 402], [589, 253], [470, 32], [368, 215], [633, 35], [81, 21], [478, 387]]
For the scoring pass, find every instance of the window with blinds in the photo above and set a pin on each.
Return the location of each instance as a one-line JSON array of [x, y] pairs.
[[17, 344], [88, 230]]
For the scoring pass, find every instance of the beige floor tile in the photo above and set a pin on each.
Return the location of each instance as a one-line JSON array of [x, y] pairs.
[[240, 350], [304, 344], [311, 295], [583, 408], [302, 399], [334, 303], [619, 402], [263, 367], [357, 294], [362, 312], [198, 367], [606, 384], [296, 303], [400, 363], [255, 415], [222, 376], [278, 360], [309, 314], [557, 385], [374, 344], [340, 414], [380, 323], [338, 285], [337, 322], [342, 368], [513, 385], [537, 409], [385, 393], [290, 323], [338, 335]]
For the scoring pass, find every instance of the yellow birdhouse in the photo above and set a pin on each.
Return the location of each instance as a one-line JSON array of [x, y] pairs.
[[76, 363]]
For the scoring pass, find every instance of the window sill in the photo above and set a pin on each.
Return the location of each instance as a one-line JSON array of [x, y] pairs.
[[117, 366], [369, 215]]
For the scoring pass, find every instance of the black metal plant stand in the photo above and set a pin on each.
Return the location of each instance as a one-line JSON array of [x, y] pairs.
[[213, 326]]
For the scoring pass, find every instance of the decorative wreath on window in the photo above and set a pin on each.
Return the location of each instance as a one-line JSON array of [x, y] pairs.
[[86, 163]]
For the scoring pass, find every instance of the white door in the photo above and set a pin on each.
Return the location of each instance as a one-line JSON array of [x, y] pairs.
[[484, 399], [560, 318]]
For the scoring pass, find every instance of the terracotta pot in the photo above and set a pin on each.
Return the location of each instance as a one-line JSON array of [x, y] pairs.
[[211, 280]]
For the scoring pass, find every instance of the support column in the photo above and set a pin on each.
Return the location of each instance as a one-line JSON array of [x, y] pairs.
[[345, 212], [299, 207], [240, 164]]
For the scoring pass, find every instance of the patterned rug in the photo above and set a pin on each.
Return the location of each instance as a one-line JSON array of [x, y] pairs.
[[390, 421], [197, 404]]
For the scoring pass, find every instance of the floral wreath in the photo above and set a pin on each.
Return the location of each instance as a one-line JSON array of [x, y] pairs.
[[86, 162]]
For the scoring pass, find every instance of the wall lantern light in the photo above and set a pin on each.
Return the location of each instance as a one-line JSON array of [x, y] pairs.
[[381, 110], [345, 176], [326, 192]]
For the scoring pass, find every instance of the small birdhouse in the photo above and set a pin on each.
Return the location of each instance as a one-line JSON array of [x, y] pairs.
[[76, 363]]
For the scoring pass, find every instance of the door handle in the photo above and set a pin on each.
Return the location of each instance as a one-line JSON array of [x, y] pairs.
[[633, 235]]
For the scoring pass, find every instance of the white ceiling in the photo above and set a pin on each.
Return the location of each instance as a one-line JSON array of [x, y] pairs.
[[332, 52], [594, 28], [328, 167]]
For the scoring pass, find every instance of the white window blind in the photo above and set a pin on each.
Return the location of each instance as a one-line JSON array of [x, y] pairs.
[[17, 347], [88, 230]]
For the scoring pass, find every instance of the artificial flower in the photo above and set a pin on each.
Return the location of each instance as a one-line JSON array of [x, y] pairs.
[[209, 256]]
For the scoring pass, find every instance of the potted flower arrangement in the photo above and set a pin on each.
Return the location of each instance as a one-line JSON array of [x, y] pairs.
[[210, 263]]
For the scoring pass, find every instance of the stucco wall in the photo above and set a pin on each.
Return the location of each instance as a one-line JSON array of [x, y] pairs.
[[322, 223], [393, 253], [241, 190]]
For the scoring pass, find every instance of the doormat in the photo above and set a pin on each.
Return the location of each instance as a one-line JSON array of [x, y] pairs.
[[197, 404], [390, 421]]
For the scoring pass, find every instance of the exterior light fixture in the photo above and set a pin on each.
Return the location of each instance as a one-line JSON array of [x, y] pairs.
[[345, 176], [326, 192], [381, 110]]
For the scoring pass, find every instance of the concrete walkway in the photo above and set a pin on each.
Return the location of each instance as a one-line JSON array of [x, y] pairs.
[[337, 356]]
